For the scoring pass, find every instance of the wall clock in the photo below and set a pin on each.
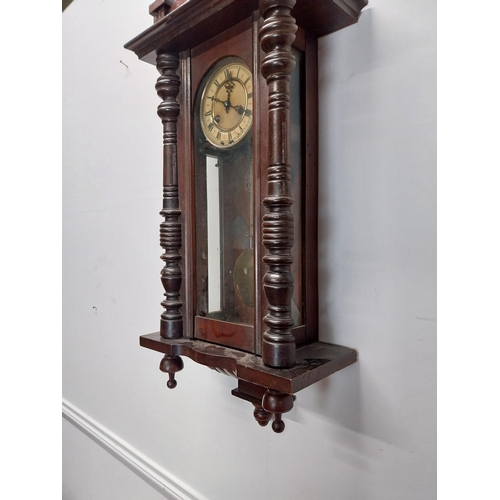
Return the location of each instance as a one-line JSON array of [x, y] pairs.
[[238, 88]]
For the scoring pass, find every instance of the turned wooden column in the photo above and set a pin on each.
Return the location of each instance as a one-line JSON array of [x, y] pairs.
[[167, 86], [276, 37]]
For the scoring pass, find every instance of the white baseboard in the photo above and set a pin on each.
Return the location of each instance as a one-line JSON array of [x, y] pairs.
[[164, 482]]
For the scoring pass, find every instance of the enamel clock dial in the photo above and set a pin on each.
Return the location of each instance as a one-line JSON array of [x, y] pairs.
[[226, 104]]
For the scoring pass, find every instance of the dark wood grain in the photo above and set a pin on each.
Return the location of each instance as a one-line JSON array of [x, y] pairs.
[[261, 416], [261, 156], [160, 8], [171, 365], [277, 35], [190, 25], [167, 86], [277, 403], [268, 404], [225, 333], [271, 359], [197, 21], [313, 362], [321, 17]]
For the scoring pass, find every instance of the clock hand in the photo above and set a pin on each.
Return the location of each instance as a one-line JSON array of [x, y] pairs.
[[227, 105], [229, 86]]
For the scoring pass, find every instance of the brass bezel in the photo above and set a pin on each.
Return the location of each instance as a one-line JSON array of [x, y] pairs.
[[217, 68]]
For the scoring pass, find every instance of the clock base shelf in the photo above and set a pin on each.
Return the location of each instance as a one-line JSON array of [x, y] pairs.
[[270, 390], [314, 362]]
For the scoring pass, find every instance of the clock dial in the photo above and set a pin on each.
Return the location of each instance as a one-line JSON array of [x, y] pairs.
[[226, 104]]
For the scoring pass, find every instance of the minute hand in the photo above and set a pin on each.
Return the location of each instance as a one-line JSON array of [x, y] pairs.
[[227, 104]]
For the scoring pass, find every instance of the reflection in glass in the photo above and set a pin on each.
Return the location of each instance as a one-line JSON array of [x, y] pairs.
[[224, 226], [296, 149], [243, 277], [213, 235], [224, 233]]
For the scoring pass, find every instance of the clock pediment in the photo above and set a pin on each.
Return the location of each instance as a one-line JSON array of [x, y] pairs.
[[196, 21]]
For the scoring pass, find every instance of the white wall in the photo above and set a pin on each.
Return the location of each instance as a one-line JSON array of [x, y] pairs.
[[367, 432]]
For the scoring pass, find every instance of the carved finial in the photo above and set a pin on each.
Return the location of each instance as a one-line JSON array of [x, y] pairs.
[[276, 403], [261, 416], [171, 365], [160, 8]]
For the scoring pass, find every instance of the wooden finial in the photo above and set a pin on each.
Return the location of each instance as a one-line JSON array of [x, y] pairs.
[[171, 365]]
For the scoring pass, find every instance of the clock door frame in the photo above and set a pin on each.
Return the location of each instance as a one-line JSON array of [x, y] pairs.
[[236, 41], [242, 40]]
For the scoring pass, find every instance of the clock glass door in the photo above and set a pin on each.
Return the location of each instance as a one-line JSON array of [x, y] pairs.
[[297, 172], [224, 219]]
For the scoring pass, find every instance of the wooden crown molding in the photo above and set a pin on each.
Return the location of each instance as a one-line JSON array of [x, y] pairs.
[[195, 22]]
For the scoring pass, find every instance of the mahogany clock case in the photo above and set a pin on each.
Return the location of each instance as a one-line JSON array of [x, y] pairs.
[[274, 352]]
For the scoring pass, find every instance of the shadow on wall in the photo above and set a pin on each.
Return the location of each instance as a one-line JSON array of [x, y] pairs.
[[341, 399], [337, 398], [344, 66]]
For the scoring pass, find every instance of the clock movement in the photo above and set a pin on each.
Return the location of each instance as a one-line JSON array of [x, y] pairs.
[[238, 86]]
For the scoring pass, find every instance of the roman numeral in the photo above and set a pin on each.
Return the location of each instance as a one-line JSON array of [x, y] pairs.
[[229, 137], [217, 83], [228, 74], [211, 125], [248, 112], [208, 113], [247, 80], [218, 135], [250, 95]]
